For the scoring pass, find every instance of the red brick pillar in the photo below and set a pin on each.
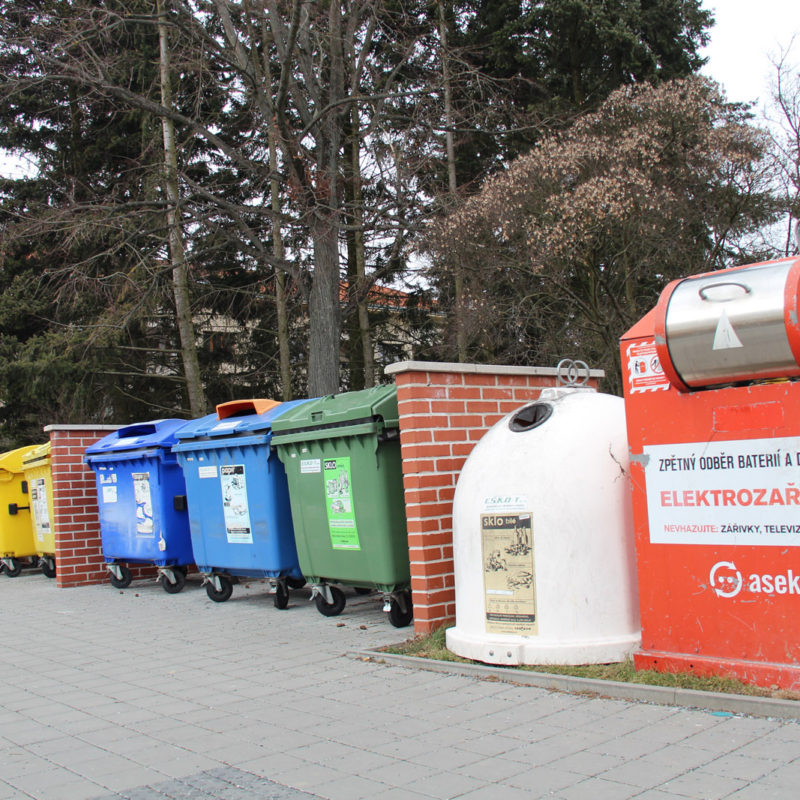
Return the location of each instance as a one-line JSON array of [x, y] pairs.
[[79, 555], [444, 410]]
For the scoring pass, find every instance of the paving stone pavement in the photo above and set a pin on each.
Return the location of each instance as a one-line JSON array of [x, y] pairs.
[[141, 695]]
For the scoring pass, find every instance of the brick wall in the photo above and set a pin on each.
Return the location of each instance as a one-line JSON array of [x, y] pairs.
[[444, 410], [79, 555]]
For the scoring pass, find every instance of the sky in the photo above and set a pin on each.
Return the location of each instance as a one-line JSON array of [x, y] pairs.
[[746, 34]]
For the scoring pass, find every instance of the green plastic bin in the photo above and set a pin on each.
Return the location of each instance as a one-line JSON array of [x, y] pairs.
[[342, 459]]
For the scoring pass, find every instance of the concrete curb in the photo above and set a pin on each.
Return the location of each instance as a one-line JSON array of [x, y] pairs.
[[660, 695]]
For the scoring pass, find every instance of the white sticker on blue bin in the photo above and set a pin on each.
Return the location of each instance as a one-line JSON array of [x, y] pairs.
[[226, 426], [235, 509], [207, 472], [144, 504], [128, 440], [109, 494]]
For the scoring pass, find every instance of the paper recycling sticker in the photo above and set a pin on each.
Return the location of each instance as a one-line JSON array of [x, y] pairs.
[[144, 504], [235, 509]]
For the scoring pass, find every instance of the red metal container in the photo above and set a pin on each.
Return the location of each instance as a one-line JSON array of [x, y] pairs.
[[713, 413]]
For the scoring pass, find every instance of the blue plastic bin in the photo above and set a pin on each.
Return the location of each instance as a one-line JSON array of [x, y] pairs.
[[141, 496], [239, 510]]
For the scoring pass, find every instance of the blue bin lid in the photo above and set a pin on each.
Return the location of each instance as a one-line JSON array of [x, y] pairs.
[[157, 433], [233, 419]]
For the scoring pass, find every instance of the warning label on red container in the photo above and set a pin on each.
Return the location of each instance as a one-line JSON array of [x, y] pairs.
[[645, 373], [744, 492]]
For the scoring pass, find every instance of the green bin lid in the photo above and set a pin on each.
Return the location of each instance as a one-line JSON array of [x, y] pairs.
[[339, 410]]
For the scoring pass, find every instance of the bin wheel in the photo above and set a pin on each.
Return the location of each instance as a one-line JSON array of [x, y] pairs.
[[331, 609], [295, 583], [397, 616], [168, 586], [124, 581], [13, 567], [281, 596], [225, 591], [48, 567], [363, 590]]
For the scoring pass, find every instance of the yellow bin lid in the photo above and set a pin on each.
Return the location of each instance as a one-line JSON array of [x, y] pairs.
[[13, 460], [37, 457]]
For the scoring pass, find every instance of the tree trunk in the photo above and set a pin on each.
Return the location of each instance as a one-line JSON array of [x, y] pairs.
[[177, 255], [368, 356], [362, 359], [452, 185], [325, 310], [355, 353], [280, 277], [283, 335], [324, 307]]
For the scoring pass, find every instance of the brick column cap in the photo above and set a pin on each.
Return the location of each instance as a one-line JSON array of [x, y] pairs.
[[87, 427], [486, 369]]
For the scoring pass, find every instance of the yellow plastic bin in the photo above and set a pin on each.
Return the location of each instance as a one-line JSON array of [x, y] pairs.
[[16, 532], [40, 491]]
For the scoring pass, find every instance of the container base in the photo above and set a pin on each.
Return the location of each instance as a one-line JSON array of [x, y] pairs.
[[516, 650], [252, 573], [366, 582], [757, 673]]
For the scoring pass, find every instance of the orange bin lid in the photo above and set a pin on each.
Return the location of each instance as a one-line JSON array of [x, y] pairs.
[[252, 406]]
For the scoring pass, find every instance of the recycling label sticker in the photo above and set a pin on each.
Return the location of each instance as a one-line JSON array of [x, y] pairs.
[[339, 504], [235, 508], [144, 504]]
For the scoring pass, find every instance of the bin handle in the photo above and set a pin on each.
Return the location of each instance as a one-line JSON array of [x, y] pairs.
[[704, 290], [240, 408]]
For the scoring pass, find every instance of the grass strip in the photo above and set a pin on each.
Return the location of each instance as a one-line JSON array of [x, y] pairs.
[[433, 646]]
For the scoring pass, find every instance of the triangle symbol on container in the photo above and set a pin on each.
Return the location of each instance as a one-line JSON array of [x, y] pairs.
[[725, 337]]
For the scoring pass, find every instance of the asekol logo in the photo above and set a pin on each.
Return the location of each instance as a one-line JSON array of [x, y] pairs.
[[726, 581]]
